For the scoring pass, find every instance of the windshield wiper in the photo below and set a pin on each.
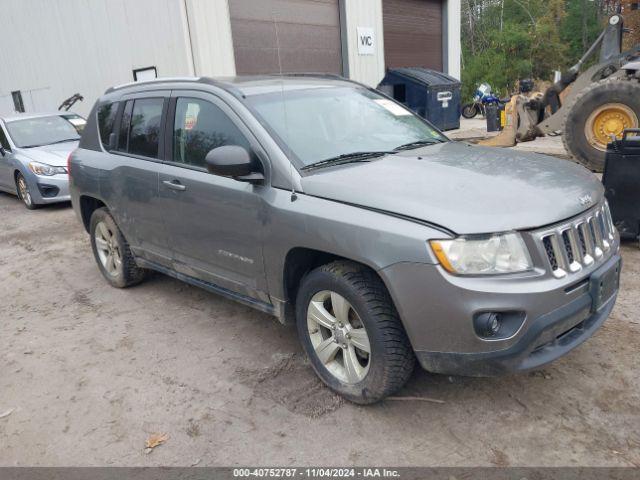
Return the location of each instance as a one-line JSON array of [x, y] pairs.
[[419, 143], [346, 158]]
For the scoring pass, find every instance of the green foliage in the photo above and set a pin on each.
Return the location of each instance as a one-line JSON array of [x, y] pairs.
[[507, 40]]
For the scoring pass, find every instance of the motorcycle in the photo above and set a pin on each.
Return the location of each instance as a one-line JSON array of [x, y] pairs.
[[481, 99]]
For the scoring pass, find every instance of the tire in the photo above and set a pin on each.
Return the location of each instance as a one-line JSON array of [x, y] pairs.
[[126, 272], [22, 188], [616, 93], [390, 361], [470, 110]]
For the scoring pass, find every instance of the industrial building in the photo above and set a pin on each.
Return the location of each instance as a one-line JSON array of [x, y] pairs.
[[54, 49]]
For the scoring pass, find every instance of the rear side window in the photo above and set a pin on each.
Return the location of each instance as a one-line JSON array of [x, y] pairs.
[[144, 133], [125, 123], [199, 127], [106, 122]]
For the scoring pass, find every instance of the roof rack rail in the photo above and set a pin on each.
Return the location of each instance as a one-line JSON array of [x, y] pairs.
[[154, 81], [308, 74]]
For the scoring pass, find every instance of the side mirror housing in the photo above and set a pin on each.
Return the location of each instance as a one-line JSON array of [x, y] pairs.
[[235, 162]]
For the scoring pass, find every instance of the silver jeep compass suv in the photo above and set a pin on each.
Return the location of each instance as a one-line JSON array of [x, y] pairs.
[[327, 204]]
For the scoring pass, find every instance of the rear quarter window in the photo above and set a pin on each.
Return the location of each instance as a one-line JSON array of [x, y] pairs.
[[106, 122]]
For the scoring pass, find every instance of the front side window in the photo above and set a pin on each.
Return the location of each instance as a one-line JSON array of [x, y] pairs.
[[144, 132], [3, 140], [39, 131], [106, 122], [199, 127], [316, 124]]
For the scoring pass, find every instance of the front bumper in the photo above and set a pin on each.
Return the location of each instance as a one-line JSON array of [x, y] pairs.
[[439, 321], [51, 189]]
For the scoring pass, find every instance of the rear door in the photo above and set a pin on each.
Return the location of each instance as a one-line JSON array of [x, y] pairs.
[[130, 185], [214, 224]]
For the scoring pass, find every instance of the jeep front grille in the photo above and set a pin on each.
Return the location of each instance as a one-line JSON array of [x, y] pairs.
[[579, 243]]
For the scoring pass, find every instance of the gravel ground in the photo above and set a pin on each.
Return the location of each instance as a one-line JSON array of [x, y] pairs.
[[89, 372]]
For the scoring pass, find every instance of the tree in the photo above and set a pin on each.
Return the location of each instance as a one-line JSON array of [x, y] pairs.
[[507, 40]]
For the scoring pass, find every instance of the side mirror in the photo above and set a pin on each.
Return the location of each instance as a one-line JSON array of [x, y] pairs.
[[3, 152], [235, 162]]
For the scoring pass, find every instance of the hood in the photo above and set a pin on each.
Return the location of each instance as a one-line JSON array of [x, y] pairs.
[[55, 155], [464, 188]]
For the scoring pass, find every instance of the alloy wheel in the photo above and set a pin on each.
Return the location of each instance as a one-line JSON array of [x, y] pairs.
[[338, 337], [23, 189], [108, 249]]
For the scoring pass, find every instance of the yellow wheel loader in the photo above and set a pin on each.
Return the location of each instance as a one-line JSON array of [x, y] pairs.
[[588, 108]]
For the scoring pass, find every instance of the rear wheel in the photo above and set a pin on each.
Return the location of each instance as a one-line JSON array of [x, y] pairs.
[[112, 252], [470, 110], [351, 332], [24, 193], [602, 111]]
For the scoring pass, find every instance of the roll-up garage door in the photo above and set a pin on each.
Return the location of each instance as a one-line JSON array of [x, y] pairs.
[[307, 31], [413, 33]]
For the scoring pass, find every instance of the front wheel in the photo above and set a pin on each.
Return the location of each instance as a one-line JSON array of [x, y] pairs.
[[351, 332], [470, 111], [24, 193]]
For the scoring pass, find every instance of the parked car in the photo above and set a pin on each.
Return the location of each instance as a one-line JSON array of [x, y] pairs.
[[34, 149], [320, 201]]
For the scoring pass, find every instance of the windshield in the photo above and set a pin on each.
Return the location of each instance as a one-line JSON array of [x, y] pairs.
[[35, 132], [322, 123]]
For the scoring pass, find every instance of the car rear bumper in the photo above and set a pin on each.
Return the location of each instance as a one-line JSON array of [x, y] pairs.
[[553, 321]]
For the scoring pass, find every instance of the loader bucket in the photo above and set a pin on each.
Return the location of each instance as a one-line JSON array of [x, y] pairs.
[[506, 138]]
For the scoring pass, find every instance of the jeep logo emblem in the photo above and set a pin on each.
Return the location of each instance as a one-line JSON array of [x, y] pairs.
[[585, 200]]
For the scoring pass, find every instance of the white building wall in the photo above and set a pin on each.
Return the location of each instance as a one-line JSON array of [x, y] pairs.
[[368, 69], [210, 34], [53, 49], [453, 40]]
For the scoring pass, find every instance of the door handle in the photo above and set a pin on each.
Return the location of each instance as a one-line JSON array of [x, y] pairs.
[[174, 185]]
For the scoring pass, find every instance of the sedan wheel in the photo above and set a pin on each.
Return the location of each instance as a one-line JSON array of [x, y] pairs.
[[108, 249], [338, 337], [23, 192]]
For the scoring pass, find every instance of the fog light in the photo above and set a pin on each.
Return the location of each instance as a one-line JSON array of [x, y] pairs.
[[488, 324], [498, 325]]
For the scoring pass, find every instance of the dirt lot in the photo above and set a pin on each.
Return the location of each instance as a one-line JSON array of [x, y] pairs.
[[90, 372]]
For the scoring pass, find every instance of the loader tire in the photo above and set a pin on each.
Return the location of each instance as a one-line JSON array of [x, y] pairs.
[[605, 107]]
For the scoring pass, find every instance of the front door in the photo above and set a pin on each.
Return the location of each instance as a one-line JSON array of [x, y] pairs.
[[6, 174], [214, 223]]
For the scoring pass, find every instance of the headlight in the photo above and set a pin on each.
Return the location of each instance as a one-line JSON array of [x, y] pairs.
[[44, 169], [483, 255]]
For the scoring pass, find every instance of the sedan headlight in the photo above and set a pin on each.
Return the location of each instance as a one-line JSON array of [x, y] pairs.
[[483, 255], [44, 169]]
